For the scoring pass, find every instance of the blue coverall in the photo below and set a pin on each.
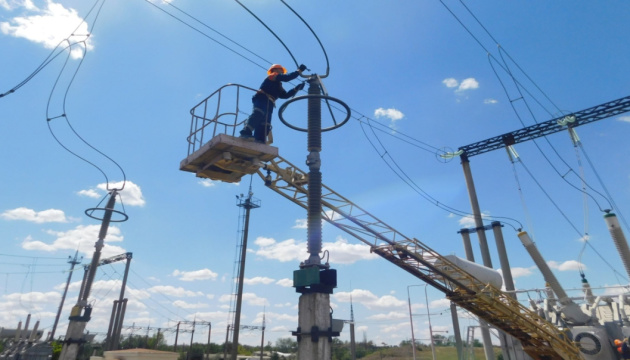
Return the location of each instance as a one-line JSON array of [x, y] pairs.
[[264, 102]]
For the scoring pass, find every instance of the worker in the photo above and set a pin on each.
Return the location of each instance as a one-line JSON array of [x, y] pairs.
[[258, 124], [623, 348]]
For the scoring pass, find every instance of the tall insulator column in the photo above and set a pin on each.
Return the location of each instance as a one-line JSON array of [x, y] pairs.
[[619, 239], [314, 146]]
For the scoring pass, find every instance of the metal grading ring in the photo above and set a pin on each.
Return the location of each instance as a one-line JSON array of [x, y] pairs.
[[89, 212], [281, 110]]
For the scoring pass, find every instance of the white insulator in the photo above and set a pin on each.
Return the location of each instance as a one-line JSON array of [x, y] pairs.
[[549, 277], [18, 332], [28, 321], [33, 336], [588, 292], [480, 272], [622, 311], [568, 308], [619, 239]]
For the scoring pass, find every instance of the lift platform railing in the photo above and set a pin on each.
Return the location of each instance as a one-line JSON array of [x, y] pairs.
[[540, 338], [219, 113]]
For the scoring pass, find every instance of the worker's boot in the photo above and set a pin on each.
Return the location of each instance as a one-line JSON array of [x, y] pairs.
[[246, 133]]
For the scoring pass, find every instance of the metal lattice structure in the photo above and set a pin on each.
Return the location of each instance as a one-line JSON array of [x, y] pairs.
[[583, 117], [540, 339]]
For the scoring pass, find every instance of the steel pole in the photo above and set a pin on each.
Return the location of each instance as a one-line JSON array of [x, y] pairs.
[[413, 339], [241, 276], [426, 296]]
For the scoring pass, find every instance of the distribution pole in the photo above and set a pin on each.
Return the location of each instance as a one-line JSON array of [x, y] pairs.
[[72, 263], [413, 338], [227, 338], [426, 297], [247, 204], [74, 334], [119, 315], [192, 335], [353, 345], [177, 335], [262, 338], [315, 281], [209, 333], [314, 306]]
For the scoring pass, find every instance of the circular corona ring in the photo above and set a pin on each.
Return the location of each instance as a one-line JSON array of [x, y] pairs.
[[317, 96], [89, 212]]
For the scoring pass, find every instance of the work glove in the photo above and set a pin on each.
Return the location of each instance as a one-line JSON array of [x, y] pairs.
[[302, 67], [299, 87]]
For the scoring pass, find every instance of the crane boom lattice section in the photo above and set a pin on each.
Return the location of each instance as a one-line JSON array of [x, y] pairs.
[[540, 339]]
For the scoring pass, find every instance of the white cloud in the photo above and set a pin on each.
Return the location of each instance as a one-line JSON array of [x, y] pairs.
[[369, 300], [248, 298], [284, 251], [203, 274], [272, 317], [468, 84], [300, 224], [491, 101], [521, 272], [615, 289], [263, 241], [131, 195], [469, 222], [391, 114], [392, 315], [49, 26], [440, 304], [185, 305], [91, 193], [106, 286], [81, 238], [450, 82], [258, 280], [341, 252], [207, 183], [39, 298], [624, 118], [173, 291], [45, 216], [285, 282], [570, 265]]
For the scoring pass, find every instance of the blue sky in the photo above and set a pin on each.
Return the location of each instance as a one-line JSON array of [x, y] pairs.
[[408, 66]]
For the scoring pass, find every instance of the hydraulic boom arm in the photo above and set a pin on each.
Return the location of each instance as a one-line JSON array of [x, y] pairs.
[[540, 339]]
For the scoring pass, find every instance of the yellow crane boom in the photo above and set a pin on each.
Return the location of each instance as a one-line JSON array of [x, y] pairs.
[[540, 339]]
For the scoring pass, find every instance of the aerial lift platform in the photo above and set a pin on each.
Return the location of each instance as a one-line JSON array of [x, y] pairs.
[[228, 158], [225, 157]]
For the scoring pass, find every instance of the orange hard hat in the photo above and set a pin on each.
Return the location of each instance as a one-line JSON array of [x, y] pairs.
[[618, 342], [274, 67]]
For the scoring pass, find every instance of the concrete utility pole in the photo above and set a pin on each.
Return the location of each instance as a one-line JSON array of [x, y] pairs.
[[314, 281], [118, 310], [72, 263], [78, 320], [483, 244]]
